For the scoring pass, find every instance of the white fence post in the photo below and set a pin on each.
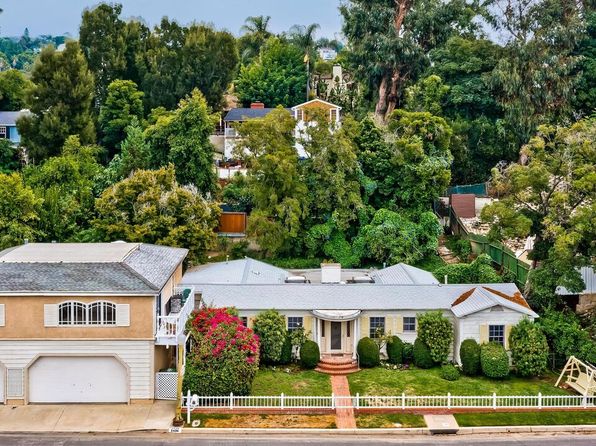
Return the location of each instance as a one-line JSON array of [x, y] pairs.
[[448, 400], [282, 401], [585, 401], [187, 407], [494, 401], [357, 400], [231, 400], [403, 401], [539, 400], [332, 401]]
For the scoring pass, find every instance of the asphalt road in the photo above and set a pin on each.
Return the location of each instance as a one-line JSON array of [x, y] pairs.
[[270, 440]]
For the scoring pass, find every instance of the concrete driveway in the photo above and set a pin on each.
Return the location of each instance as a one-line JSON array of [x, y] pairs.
[[87, 417]]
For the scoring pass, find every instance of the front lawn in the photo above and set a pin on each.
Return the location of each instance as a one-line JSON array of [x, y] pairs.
[[526, 418], [290, 380], [380, 381], [389, 420], [264, 421]]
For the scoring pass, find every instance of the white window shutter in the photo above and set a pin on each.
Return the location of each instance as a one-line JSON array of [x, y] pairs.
[[123, 315], [50, 315], [2, 316]]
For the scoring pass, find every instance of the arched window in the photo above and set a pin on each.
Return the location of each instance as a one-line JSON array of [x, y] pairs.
[[95, 313]]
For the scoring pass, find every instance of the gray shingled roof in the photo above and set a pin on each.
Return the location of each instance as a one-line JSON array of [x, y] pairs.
[[240, 271], [339, 296], [242, 114], [144, 269], [402, 274], [9, 118]]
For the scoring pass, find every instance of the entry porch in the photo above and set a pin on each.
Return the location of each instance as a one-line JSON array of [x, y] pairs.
[[336, 332]]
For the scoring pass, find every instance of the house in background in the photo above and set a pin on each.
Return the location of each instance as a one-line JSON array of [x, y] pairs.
[[91, 323], [8, 125], [339, 307], [584, 301], [237, 116]]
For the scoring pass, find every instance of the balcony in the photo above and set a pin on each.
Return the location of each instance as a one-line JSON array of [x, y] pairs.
[[170, 328]]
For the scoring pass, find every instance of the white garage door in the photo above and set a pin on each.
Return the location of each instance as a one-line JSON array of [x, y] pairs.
[[77, 380]]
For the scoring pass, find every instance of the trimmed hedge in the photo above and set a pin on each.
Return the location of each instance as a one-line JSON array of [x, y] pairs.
[[395, 349], [286, 351], [422, 357], [408, 352], [449, 372], [529, 349], [436, 331], [310, 354], [368, 352], [494, 360], [469, 354]]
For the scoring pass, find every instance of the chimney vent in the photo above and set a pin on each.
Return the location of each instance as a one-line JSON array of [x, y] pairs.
[[330, 272], [257, 105]]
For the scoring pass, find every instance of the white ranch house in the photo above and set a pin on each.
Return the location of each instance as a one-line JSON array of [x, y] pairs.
[[340, 307]]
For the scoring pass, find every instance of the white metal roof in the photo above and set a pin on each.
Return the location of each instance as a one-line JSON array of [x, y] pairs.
[[402, 274], [482, 299], [588, 276], [242, 271]]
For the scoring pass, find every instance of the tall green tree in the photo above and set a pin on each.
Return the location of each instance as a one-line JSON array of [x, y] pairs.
[[303, 37], [279, 193], [535, 79], [551, 196], [585, 100], [182, 138], [123, 103], [277, 77], [19, 211], [13, 88], [390, 39], [255, 32], [60, 101], [65, 184], [102, 39], [151, 207]]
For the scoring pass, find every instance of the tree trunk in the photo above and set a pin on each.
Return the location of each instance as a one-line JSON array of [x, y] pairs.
[[381, 108], [393, 94]]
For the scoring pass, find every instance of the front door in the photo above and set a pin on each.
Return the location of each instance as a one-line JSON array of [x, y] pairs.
[[335, 335]]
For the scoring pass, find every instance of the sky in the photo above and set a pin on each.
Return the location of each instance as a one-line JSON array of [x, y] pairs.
[[58, 17]]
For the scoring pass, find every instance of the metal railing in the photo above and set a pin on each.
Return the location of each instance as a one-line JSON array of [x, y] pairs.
[[403, 402], [170, 327]]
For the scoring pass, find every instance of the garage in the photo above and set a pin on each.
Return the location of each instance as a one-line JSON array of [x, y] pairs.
[[77, 379]]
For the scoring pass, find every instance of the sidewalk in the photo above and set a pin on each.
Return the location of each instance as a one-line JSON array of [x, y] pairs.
[[87, 417]]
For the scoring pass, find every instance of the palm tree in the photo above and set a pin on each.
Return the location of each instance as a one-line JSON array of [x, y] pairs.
[[257, 25], [304, 37]]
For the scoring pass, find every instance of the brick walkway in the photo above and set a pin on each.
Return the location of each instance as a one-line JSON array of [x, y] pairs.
[[344, 417]]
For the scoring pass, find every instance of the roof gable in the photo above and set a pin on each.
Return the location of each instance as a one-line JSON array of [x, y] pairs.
[[314, 102], [403, 274], [484, 297]]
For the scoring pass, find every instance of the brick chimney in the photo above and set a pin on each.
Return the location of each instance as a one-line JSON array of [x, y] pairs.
[[257, 105]]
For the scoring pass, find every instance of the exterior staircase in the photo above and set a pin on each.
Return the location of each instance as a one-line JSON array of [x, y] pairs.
[[337, 365]]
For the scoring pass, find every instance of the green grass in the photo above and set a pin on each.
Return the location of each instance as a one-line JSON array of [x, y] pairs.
[[296, 382], [526, 418], [380, 381], [389, 420]]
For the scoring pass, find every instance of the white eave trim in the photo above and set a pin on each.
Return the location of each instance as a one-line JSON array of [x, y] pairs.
[[336, 315]]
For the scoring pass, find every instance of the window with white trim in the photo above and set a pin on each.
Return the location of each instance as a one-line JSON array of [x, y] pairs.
[[295, 322], [79, 313], [409, 323], [377, 326], [496, 333], [244, 320], [3, 132]]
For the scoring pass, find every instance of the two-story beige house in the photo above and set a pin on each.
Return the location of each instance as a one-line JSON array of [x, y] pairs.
[[90, 323]]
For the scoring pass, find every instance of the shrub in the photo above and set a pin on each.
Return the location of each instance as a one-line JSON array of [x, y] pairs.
[[529, 349], [566, 336], [408, 352], [395, 349], [436, 331], [224, 357], [286, 351], [310, 354], [421, 354], [494, 360], [368, 352], [449, 372], [270, 326], [469, 353], [479, 271]]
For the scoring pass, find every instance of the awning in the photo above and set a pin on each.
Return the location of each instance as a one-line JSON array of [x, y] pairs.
[[336, 315]]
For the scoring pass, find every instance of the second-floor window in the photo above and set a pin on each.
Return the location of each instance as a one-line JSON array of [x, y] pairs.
[[95, 313]]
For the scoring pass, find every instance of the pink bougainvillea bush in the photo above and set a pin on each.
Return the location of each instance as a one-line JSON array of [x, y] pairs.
[[224, 356]]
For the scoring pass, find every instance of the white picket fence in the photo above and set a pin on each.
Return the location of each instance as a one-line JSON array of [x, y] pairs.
[[403, 401]]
